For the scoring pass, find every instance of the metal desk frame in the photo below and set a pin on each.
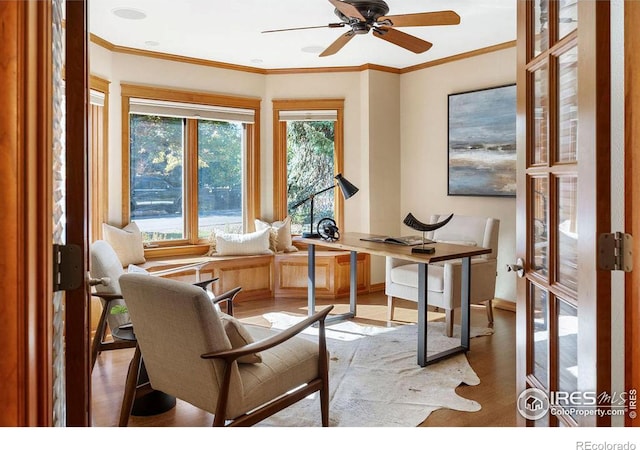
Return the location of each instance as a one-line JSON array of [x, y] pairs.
[[464, 253]]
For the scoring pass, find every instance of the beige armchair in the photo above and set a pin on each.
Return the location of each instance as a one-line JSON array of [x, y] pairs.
[[443, 283], [190, 352], [106, 266]]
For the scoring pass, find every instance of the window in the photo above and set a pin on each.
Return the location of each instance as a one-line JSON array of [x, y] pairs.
[[189, 167], [307, 155]]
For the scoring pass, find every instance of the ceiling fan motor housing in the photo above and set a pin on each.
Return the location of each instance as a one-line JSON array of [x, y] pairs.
[[370, 10]]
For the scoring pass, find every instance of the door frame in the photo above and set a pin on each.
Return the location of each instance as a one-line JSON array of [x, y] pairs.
[[632, 196], [77, 311], [26, 393]]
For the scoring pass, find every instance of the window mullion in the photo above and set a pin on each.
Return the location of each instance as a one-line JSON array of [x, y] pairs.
[[191, 181]]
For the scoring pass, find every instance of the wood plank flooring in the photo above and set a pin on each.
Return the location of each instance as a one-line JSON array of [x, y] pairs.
[[492, 357]]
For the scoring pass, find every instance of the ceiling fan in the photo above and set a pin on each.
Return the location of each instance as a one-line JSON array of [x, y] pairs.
[[371, 15]]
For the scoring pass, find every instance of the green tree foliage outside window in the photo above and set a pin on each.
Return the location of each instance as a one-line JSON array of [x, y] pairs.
[[157, 151], [310, 168], [220, 165]]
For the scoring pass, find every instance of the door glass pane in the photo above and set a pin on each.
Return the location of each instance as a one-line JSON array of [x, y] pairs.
[[540, 116], [568, 17], [540, 326], [567, 270], [568, 106], [220, 156], [540, 225], [310, 168], [567, 347], [540, 26], [156, 182]]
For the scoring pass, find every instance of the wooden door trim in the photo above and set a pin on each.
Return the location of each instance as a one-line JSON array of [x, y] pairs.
[[78, 320], [632, 196], [25, 177]]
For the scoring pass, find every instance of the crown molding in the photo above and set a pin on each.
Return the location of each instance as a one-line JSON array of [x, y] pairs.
[[297, 71]]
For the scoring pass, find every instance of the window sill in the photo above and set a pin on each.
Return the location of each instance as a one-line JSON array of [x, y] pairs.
[[175, 250]]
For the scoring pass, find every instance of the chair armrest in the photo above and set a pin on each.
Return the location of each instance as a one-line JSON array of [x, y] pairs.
[[228, 296], [392, 262], [204, 284], [277, 339], [107, 297]]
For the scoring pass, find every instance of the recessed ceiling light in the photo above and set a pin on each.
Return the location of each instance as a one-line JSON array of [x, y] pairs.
[[312, 49], [129, 13], [257, 61], [151, 43]]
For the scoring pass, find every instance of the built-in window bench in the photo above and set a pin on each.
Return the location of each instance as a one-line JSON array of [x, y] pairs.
[[283, 275]]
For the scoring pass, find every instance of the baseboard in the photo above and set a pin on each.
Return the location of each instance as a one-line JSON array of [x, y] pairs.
[[377, 287], [504, 305]]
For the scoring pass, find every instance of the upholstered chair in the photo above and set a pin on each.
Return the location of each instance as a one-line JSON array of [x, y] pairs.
[[240, 373], [107, 267], [443, 283]]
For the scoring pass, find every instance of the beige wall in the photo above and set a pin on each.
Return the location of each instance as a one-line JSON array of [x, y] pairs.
[[395, 127], [423, 118]]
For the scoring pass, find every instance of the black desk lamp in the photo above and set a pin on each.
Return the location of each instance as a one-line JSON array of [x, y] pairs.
[[348, 191]]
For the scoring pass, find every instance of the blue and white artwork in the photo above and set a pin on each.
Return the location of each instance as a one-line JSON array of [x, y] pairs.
[[482, 142]]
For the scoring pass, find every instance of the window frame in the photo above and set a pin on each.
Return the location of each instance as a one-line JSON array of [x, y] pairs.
[[280, 207], [191, 243], [99, 152]]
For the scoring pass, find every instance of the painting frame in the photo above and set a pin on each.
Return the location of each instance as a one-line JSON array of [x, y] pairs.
[[481, 142]]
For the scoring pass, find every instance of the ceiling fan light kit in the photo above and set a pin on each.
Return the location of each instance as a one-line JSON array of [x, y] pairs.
[[363, 16]]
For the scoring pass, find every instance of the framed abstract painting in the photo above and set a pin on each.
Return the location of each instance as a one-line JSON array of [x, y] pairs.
[[482, 142]]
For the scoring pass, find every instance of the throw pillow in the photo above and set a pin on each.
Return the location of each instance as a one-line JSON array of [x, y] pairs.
[[280, 234], [127, 243], [212, 243], [239, 336], [256, 243]]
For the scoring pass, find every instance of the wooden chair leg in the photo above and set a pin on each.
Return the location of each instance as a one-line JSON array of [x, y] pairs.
[[130, 388], [389, 308], [449, 322], [489, 306], [100, 332]]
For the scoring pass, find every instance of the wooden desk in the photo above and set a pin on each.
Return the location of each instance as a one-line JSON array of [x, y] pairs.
[[443, 252]]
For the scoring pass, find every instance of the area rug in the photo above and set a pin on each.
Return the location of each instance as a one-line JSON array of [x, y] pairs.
[[374, 378]]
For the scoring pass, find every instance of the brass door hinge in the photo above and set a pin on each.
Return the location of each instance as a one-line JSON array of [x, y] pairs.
[[615, 251]]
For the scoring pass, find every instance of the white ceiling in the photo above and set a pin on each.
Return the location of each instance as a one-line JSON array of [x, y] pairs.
[[229, 31]]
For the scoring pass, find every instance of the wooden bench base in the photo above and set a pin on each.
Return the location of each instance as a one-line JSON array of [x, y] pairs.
[[283, 275], [332, 274]]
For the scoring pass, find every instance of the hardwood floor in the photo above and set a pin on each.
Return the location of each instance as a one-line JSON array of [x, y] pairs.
[[492, 358]]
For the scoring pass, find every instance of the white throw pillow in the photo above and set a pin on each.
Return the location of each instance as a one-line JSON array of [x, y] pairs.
[[127, 243], [256, 243], [239, 336], [280, 234]]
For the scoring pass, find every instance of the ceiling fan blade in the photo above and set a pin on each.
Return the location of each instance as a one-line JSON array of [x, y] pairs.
[[422, 19], [338, 44], [404, 40], [348, 10], [331, 25]]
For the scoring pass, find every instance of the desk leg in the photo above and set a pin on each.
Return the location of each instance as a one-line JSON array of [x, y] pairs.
[[353, 283], [311, 277], [422, 314], [465, 321], [465, 296]]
